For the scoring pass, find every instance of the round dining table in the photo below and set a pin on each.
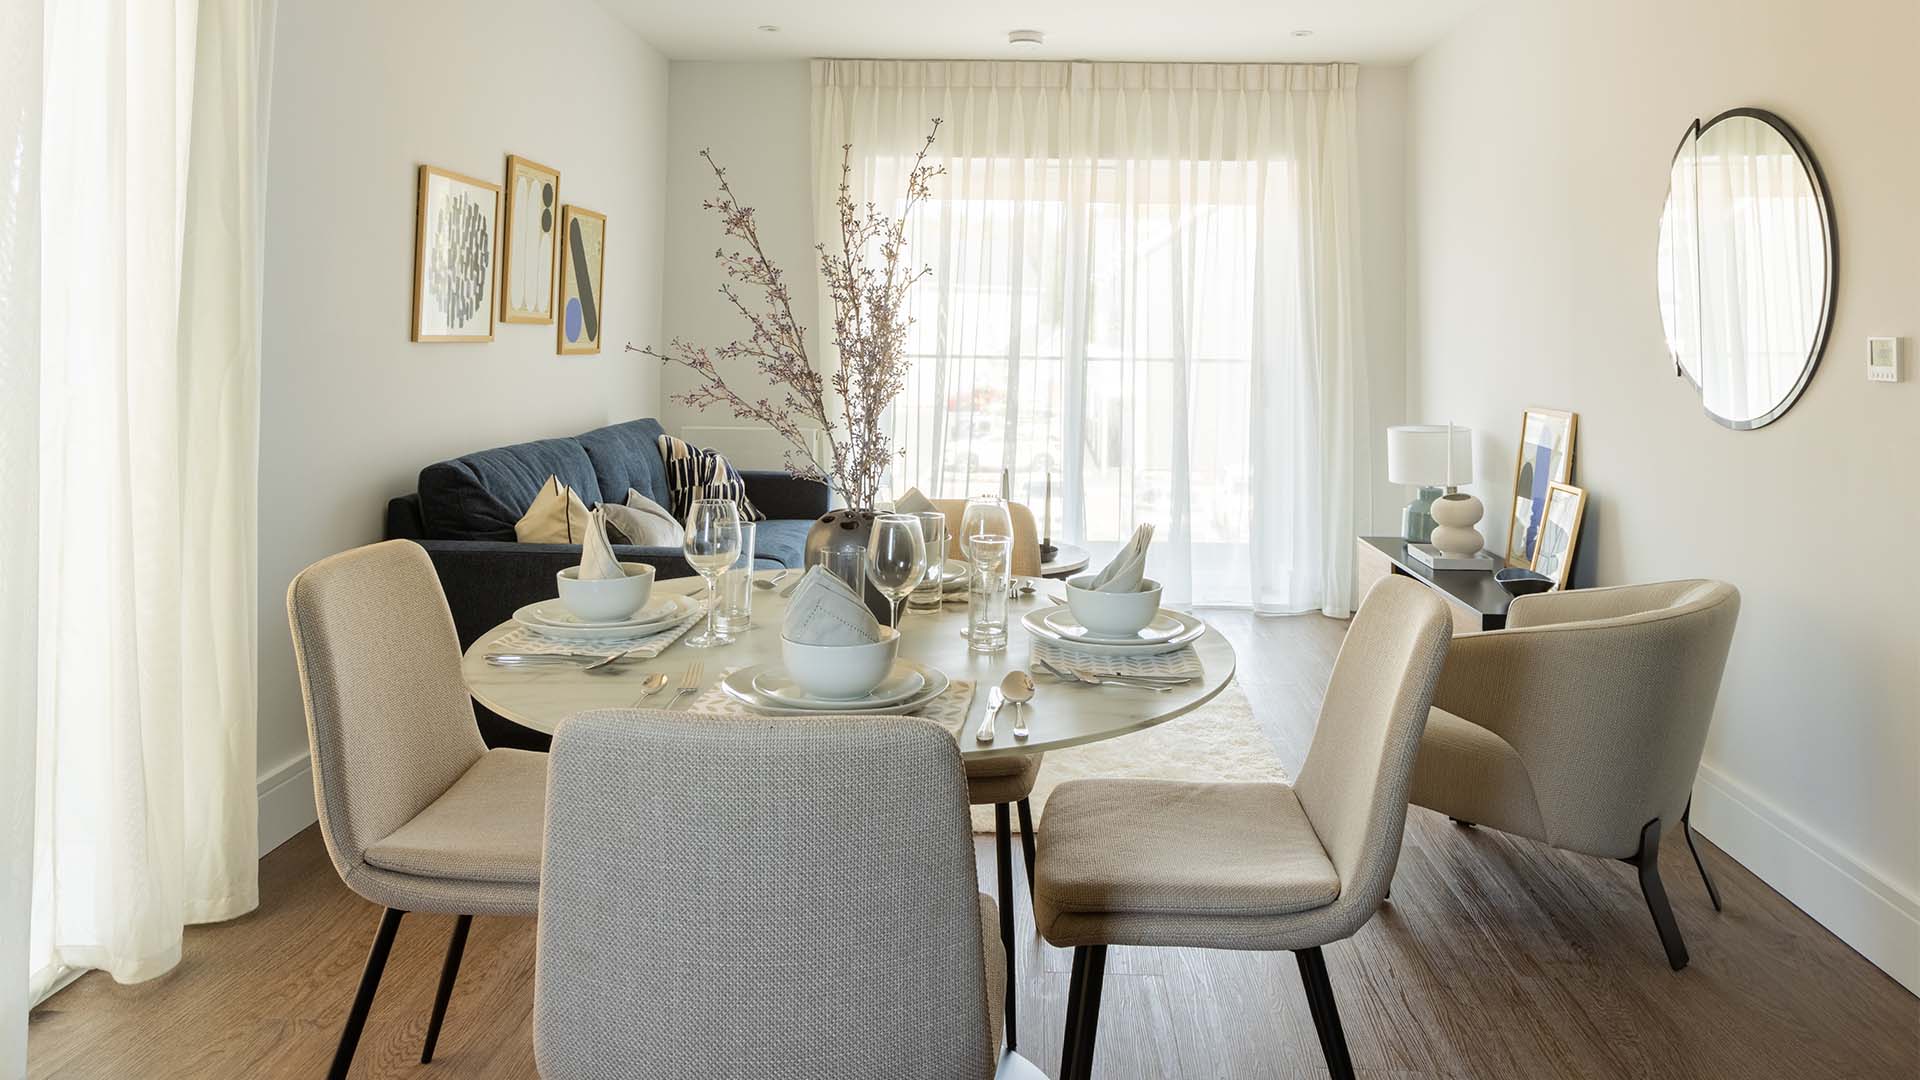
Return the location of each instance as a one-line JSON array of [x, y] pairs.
[[1061, 714]]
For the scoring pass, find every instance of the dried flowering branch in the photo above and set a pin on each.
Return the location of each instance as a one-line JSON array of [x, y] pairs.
[[868, 281]]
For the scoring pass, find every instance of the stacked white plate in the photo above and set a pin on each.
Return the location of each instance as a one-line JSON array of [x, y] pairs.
[[552, 619], [953, 576], [767, 688], [1168, 631]]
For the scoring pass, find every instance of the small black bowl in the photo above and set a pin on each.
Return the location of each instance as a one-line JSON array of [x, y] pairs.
[[1521, 582]]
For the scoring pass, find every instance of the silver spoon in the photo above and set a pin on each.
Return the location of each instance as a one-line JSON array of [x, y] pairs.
[[772, 582], [652, 685], [1017, 687]]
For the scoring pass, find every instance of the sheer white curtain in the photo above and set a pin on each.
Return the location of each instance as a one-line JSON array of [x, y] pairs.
[[19, 501], [139, 542], [1145, 283]]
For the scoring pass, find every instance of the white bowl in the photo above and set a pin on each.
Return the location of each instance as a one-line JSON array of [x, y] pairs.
[[609, 600], [1114, 614], [841, 672]]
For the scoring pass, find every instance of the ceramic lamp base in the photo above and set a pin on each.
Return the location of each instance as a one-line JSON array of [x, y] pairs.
[[1455, 516]]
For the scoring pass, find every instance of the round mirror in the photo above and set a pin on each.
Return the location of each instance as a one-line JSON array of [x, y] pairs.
[[1747, 265]]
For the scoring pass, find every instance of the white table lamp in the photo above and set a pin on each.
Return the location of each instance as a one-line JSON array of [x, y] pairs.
[[1436, 457]]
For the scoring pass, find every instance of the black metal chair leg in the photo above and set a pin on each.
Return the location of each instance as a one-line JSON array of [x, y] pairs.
[[1648, 863], [448, 972], [1686, 822], [1094, 975], [1326, 1015], [1026, 841], [363, 997], [1003, 864], [1076, 992]]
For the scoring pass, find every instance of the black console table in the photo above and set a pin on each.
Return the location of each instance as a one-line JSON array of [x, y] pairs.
[[1476, 601]]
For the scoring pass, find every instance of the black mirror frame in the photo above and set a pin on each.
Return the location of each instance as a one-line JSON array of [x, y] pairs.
[[1831, 237]]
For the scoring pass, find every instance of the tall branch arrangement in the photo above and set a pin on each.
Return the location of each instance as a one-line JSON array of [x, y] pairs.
[[867, 278]]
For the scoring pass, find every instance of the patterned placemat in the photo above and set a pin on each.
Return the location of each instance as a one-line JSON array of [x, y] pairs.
[[949, 710], [1180, 662], [527, 640]]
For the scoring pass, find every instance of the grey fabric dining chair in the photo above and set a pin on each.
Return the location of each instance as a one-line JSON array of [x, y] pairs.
[[763, 898], [416, 812], [1260, 866], [1581, 725]]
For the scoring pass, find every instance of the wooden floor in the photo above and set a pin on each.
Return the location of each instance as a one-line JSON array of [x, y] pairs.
[[1496, 958]]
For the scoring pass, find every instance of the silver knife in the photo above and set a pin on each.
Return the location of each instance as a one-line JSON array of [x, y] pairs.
[[535, 658], [995, 699]]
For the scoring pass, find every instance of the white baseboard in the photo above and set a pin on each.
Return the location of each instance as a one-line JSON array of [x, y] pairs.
[[1879, 919], [286, 802]]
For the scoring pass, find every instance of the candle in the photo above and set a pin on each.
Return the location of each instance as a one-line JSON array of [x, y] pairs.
[[1047, 521]]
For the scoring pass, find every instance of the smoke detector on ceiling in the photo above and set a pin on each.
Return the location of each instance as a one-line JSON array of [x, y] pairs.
[[1026, 39]]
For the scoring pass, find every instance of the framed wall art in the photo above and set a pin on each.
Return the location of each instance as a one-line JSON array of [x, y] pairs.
[[1545, 458], [529, 245], [1565, 506], [583, 256], [453, 257]]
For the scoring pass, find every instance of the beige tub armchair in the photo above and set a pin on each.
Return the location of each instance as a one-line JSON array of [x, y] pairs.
[[1581, 724]]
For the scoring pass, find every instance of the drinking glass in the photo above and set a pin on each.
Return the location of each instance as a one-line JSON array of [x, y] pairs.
[[736, 585], [986, 515], [931, 592], [712, 544], [849, 564], [896, 559], [987, 592]]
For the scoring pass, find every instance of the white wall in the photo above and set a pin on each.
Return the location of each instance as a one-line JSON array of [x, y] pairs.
[[363, 92], [756, 118], [1540, 139]]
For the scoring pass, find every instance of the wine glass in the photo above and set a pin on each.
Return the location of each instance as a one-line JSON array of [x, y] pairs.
[[985, 515], [896, 558], [712, 544]]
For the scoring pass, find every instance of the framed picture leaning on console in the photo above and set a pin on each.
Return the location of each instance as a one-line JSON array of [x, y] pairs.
[[1545, 458], [1559, 532]]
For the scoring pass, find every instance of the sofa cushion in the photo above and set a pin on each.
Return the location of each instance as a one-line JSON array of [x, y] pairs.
[[695, 473], [479, 496], [627, 456], [783, 541], [557, 516]]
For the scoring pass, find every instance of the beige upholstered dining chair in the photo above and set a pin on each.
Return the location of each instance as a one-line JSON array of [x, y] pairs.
[[417, 814], [1005, 783], [763, 898], [1581, 724], [1026, 534], [1262, 866]]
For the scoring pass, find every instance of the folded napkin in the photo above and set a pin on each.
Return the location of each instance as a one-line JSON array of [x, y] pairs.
[[913, 503], [824, 611], [1129, 568], [596, 555]]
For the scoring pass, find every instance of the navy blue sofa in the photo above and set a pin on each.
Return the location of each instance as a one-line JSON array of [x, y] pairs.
[[465, 509]]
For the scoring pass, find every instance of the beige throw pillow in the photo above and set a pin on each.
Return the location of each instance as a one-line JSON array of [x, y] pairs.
[[557, 516], [644, 522]]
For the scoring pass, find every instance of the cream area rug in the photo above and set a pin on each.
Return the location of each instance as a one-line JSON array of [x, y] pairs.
[[1219, 741]]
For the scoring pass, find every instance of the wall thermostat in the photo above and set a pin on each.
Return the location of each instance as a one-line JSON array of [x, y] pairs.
[[1883, 359]]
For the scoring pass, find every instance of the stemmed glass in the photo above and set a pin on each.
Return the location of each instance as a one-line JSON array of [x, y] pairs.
[[896, 558], [986, 515], [712, 545]]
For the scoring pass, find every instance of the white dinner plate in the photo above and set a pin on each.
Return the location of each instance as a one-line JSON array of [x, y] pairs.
[[1164, 627], [953, 576], [1036, 623], [900, 684], [551, 620], [739, 686]]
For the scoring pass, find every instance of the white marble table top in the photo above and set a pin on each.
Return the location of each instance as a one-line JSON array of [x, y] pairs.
[[1061, 714]]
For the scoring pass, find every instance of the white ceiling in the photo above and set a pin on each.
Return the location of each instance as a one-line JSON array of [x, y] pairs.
[[1369, 31]]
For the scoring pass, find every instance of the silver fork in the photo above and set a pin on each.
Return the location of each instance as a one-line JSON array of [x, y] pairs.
[[689, 682], [1122, 680]]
